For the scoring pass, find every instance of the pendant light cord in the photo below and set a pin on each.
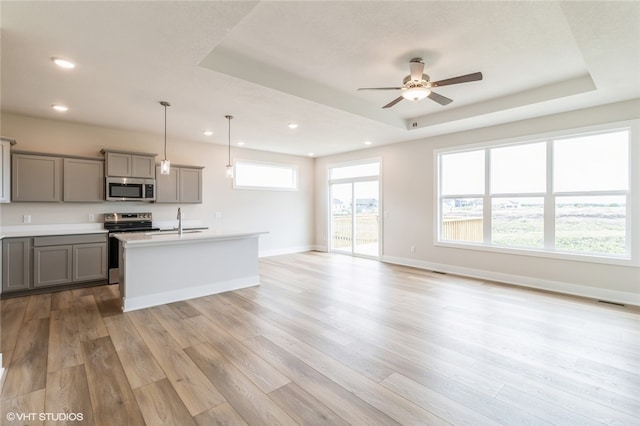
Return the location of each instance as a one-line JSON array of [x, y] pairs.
[[229, 117], [165, 104]]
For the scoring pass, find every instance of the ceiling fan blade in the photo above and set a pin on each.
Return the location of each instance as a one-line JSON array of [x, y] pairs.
[[455, 80], [393, 102], [380, 88], [442, 100], [417, 67]]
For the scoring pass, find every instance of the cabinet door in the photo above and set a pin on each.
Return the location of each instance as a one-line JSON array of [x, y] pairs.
[[118, 164], [143, 166], [89, 262], [16, 264], [5, 170], [36, 178], [167, 186], [190, 185], [52, 265], [83, 180]]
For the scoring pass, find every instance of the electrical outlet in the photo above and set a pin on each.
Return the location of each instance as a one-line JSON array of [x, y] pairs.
[[26, 218], [218, 215], [91, 217], [413, 249]]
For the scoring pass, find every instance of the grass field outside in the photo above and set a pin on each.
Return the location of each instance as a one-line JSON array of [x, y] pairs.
[[582, 224]]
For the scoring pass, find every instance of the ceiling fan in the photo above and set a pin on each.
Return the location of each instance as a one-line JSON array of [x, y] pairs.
[[417, 85]]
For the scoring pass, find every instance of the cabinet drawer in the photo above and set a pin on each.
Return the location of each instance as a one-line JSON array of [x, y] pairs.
[[57, 240]]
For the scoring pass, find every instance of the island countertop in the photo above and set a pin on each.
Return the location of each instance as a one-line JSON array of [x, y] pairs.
[[156, 238]]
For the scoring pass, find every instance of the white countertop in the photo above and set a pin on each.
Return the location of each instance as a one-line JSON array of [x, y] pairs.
[[142, 239], [18, 231]]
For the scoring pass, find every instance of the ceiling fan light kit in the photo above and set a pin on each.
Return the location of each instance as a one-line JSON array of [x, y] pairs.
[[416, 93], [417, 85]]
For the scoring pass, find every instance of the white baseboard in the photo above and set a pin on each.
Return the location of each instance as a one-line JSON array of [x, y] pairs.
[[597, 293], [288, 250]]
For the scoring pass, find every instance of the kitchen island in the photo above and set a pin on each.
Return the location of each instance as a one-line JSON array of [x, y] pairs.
[[164, 267]]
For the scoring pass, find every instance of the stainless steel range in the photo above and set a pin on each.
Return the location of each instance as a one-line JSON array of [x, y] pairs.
[[123, 222]]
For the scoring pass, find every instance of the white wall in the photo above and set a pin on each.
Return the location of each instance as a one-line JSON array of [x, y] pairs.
[[408, 190], [287, 215]]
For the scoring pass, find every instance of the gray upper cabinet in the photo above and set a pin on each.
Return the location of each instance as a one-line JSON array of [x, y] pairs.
[[182, 185], [118, 164], [5, 171], [143, 166], [36, 178], [167, 186], [190, 185], [83, 180], [123, 164]]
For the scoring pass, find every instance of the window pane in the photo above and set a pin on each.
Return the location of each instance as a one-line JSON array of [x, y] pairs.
[[591, 224], [357, 170], [262, 175], [461, 219], [517, 222], [592, 163], [462, 173], [519, 169]]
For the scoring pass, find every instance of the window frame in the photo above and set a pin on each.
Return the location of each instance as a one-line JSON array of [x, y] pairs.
[[632, 245], [293, 167]]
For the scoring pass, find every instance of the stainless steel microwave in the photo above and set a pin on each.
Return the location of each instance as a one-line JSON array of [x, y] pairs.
[[130, 189]]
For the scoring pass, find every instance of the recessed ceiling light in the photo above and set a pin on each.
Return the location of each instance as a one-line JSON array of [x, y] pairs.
[[292, 126], [240, 143], [60, 108], [207, 132], [311, 154], [63, 63], [368, 142]]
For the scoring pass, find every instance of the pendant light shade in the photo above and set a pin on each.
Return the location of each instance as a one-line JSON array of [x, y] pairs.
[[229, 167], [165, 165]]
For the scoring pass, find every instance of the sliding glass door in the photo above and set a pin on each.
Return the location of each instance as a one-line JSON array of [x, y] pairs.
[[355, 210]]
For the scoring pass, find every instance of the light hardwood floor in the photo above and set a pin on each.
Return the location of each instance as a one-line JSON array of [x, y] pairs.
[[326, 339]]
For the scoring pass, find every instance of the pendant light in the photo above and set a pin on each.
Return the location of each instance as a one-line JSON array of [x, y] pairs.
[[165, 165], [229, 170]]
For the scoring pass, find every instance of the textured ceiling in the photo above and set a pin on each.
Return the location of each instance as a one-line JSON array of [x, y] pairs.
[[272, 63]]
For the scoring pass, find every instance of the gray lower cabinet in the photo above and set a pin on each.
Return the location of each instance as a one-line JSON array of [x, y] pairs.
[[52, 266], [49, 261], [182, 185], [16, 264], [89, 262]]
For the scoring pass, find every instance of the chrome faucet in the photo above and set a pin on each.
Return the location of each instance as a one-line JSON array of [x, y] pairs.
[[179, 221]]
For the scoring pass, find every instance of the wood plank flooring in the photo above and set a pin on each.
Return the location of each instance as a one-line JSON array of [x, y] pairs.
[[326, 339]]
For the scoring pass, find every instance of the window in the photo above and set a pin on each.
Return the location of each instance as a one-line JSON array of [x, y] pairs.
[[564, 195], [259, 175]]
